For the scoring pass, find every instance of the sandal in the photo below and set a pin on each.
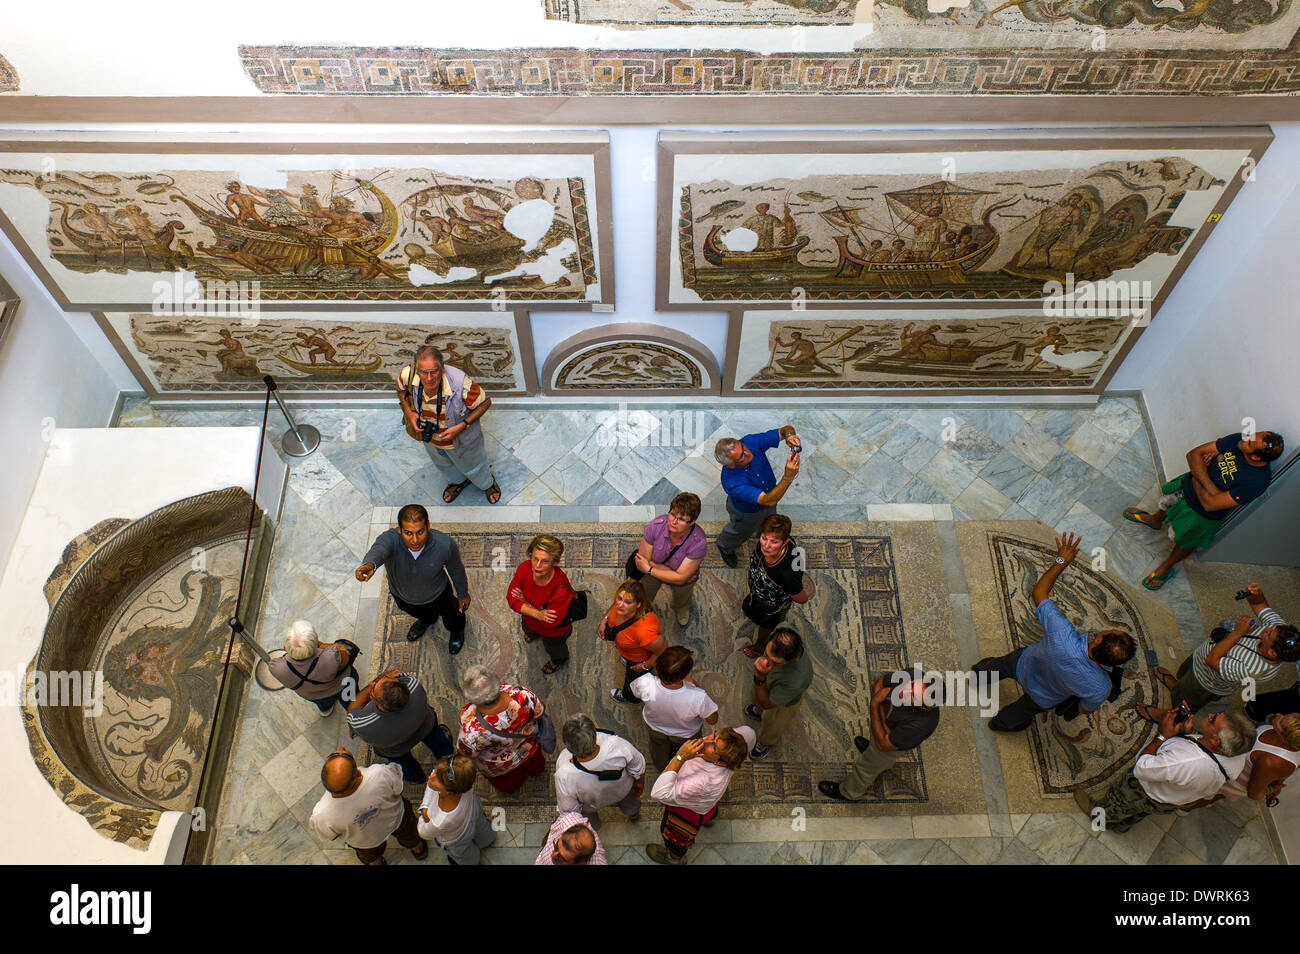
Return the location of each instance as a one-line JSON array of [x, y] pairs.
[[421, 853], [550, 667], [1135, 515], [493, 493], [1144, 712], [1167, 678], [1152, 581], [452, 491]]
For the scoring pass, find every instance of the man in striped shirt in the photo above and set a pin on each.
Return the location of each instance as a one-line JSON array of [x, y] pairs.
[[1249, 653], [442, 406]]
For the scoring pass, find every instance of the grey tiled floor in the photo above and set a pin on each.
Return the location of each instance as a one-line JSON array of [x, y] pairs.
[[1071, 469]]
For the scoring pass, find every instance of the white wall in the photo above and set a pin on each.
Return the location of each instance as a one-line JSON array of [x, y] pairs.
[[1225, 344], [48, 378]]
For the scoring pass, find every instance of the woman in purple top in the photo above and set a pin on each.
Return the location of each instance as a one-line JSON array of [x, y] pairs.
[[671, 552]]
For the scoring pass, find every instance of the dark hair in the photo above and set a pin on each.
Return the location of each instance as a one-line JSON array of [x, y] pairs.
[[777, 523], [1287, 646], [583, 855], [412, 513], [786, 643], [1273, 445], [674, 664], [1116, 647], [688, 505], [393, 695]]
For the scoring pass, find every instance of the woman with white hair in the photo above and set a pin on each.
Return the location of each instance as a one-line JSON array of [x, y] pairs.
[[504, 729], [451, 813], [319, 672]]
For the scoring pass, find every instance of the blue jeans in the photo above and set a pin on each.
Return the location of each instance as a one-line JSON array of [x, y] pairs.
[[437, 742]]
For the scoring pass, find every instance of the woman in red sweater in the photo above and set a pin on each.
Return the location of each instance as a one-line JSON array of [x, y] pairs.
[[540, 593], [634, 628]]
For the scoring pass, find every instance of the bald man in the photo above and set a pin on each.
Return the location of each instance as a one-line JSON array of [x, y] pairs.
[[571, 841], [364, 808], [904, 713]]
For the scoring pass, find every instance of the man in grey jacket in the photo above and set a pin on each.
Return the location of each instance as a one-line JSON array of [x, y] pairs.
[[425, 574]]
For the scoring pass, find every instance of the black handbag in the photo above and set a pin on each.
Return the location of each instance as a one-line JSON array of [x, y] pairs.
[[630, 566], [1069, 709], [577, 608]]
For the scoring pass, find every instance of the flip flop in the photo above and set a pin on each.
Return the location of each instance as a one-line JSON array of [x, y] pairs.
[[1144, 712], [1134, 515], [494, 489], [549, 668], [452, 491], [1153, 582], [1166, 678], [421, 853]]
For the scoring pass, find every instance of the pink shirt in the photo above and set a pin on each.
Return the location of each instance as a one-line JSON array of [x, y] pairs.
[[699, 785], [563, 824]]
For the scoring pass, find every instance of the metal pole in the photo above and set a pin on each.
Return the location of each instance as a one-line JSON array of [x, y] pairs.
[[300, 440]]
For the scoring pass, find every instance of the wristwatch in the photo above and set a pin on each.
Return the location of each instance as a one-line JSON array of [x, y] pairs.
[[1060, 560]]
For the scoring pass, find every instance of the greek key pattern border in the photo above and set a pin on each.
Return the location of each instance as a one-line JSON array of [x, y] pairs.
[[416, 71]]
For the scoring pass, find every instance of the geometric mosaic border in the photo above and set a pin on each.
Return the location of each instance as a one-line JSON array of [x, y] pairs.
[[422, 71]]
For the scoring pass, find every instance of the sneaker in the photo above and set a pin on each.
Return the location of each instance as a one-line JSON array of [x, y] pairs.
[[618, 696], [684, 616], [729, 558], [416, 631], [325, 715], [662, 856], [752, 712], [1083, 801], [759, 751]]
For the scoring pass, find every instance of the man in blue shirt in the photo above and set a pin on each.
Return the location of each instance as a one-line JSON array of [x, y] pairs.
[[1064, 663], [752, 489], [1221, 476]]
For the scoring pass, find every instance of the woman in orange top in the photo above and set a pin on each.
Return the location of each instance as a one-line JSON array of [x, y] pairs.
[[634, 628]]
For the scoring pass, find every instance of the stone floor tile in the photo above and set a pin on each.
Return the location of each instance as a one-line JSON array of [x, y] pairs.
[[1054, 838], [1170, 851]]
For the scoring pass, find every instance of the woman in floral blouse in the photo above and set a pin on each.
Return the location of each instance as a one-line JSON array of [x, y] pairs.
[[499, 729]]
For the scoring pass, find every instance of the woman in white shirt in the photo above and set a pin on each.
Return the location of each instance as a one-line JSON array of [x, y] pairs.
[[691, 787], [452, 814], [674, 707]]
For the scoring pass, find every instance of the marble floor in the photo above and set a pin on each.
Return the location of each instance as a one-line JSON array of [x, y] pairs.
[[1068, 468]]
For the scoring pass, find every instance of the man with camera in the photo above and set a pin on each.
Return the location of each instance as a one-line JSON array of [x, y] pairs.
[[752, 489], [1251, 652], [426, 576], [442, 406], [1179, 769]]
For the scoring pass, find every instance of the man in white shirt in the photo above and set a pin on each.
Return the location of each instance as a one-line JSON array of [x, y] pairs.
[[1177, 770], [364, 808], [597, 769], [674, 708]]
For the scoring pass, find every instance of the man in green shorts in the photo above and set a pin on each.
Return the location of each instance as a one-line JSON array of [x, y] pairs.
[[1222, 476]]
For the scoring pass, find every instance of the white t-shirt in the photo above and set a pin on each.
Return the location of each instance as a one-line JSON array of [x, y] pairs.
[[677, 712], [447, 827], [1180, 773], [369, 815], [576, 790]]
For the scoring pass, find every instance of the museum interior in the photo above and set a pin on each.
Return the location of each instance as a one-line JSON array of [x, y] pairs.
[[984, 301]]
